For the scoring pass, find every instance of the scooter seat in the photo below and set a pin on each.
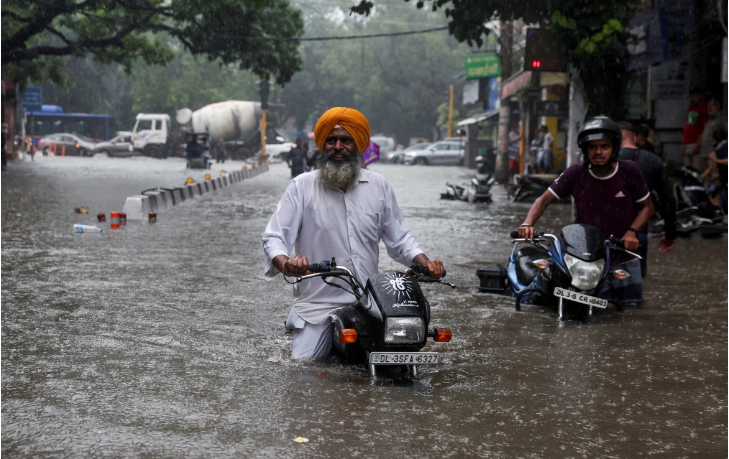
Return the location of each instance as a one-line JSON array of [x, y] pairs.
[[525, 269]]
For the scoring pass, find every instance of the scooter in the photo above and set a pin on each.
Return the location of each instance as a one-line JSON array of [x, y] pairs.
[[389, 324], [567, 275], [477, 190]]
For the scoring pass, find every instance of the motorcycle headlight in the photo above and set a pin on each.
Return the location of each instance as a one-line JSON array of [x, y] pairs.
[[404, 330], [585, 274]]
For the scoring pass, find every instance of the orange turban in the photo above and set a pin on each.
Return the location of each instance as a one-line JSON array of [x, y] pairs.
[[350, 120]]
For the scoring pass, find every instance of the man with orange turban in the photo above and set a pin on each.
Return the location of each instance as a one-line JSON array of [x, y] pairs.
[[340, 210]]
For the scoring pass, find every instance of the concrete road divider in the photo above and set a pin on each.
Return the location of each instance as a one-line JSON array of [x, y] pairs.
[[137, 207], [149, 202]]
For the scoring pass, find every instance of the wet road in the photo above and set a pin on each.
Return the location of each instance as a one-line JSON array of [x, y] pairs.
[[165, 340]]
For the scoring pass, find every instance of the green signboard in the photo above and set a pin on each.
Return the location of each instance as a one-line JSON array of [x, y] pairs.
[[483, 66]]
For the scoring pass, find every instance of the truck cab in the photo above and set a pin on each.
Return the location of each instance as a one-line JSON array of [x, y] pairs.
[[151, 135]]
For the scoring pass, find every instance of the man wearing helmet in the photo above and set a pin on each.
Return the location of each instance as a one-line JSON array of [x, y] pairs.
[[609, 194]]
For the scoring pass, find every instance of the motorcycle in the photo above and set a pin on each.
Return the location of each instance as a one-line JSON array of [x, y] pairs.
[[695, 212], [528, 187], [567, 275], [389, 324], [477, 190]]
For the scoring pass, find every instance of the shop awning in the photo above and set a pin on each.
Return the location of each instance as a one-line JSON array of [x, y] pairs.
[[478, 118]]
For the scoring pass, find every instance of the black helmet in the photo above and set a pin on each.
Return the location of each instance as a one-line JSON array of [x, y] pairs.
[[597, 128]]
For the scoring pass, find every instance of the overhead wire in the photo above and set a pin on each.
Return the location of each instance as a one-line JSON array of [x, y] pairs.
[[338, 37]]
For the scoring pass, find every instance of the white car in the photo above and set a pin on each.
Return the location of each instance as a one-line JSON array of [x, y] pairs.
[[445, 152]]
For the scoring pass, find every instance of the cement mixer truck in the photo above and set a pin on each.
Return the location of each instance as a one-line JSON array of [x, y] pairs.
[[235, 123]]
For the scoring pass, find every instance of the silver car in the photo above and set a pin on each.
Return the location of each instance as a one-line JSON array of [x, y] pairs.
[[118, 146], [445, 152], [67, 144]]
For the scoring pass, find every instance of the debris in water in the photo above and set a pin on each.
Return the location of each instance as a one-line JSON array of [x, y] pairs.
[[321, 373], [24, 199], [301, 440], [81, 210]]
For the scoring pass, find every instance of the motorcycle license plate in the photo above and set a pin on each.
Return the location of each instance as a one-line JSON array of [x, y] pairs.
[[580, 298], [403, 358]]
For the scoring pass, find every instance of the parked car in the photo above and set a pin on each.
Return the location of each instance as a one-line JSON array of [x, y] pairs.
[[398, 156], [277, 146], [74, 144], [387, 144], [445, 152], [118, 146]]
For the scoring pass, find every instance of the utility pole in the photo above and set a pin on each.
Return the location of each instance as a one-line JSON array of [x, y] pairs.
[[450, 113], [263, 88]]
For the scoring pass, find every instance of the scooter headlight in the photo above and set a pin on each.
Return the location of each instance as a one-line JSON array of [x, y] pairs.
[[585, 274], [404, 330]]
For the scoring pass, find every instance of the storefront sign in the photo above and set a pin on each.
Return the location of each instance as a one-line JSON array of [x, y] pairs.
[[483, 66]]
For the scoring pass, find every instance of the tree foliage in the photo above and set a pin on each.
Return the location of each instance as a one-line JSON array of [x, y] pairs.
[[397, 82], [593, 31], [38, 34]]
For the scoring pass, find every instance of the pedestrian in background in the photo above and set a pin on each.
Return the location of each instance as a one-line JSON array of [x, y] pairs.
[[656, 177], [544, 159], [296, 158], [536, 145], [312, 154], [696, 117], [642, 132], [220, 152], [716, 119]]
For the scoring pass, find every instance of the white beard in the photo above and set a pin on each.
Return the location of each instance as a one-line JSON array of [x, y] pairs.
[[339, 174]]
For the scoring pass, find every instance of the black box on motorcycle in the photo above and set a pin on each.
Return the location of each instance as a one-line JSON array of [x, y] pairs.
[[492, 279]]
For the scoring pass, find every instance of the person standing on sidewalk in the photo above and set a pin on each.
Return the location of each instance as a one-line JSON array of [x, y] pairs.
[[716, 119], [544, 159], [696, 117]]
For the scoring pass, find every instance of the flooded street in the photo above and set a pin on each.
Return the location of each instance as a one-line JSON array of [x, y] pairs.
[[166, 340]]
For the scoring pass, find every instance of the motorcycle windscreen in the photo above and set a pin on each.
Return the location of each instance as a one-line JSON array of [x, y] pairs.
[[397, 295], [583, 241]]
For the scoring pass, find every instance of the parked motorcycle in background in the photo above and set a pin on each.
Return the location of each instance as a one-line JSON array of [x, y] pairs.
[[694, 212], [477, 190]]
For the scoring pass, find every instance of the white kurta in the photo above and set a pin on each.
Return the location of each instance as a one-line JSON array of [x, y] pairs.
[[322, 222]]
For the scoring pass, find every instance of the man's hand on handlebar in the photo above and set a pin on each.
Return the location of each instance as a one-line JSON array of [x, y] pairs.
[[435, 269], [294, 266], [526, 232], [630, 241]]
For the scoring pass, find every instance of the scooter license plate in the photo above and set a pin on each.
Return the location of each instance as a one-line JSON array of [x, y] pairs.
[[580, 298], [403, 358]]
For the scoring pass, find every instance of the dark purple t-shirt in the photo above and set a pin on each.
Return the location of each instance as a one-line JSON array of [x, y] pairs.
[[607, 203]]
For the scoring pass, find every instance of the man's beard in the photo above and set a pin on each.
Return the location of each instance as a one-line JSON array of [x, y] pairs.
[[339, 174]]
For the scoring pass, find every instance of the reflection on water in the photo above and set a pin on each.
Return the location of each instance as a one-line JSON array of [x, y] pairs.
[[166, 340]]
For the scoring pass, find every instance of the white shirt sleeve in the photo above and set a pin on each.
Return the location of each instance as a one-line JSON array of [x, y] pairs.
[[400, 243], [283, 228]]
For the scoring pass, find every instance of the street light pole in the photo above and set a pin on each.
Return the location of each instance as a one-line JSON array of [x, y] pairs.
[[450, 112], [263, 90]]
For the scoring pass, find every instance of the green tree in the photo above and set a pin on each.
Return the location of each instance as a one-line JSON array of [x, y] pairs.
[[397, 82], [38, 34], [593, 31]]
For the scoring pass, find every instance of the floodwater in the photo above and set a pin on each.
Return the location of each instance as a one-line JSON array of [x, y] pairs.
[[165, 340]]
